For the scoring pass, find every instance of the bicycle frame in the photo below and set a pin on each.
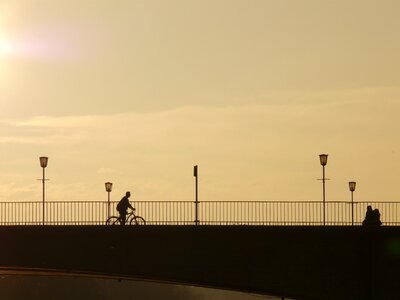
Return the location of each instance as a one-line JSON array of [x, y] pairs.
[[131, 218]]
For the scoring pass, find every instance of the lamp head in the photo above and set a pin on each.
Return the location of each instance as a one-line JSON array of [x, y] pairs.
[[108, 186], [352, 186], [43, 161], [323, 158]]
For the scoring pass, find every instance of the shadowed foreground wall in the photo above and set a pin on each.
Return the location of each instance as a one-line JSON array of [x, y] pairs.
[[300, 262]]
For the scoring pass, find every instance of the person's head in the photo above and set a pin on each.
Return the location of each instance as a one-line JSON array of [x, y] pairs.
[[128, 194]]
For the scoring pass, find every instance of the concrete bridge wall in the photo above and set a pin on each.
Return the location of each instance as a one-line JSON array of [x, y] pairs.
[[299, 262]]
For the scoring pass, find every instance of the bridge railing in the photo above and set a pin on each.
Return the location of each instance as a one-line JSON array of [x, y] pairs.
[[210, 212]]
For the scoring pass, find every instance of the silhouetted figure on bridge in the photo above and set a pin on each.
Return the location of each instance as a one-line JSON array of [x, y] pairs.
[[372, 217], [123, 206]]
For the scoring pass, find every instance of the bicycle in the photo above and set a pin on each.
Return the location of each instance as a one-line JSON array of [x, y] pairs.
[[131, 219]]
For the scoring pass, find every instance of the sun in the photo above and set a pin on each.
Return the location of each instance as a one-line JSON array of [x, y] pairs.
[[6, 47]]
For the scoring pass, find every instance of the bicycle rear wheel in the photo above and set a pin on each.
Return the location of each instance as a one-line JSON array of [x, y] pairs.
[[137, 221], [113, 221]]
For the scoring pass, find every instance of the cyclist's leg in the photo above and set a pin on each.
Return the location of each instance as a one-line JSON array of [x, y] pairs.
[[123, 217]]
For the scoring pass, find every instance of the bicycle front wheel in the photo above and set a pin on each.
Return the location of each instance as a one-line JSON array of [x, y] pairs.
[[113, 221], [137, 221]]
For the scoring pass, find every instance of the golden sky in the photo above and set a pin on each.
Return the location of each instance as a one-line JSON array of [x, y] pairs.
[[137, 92]]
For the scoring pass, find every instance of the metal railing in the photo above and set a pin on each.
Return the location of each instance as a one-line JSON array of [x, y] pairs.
[[209, 212]]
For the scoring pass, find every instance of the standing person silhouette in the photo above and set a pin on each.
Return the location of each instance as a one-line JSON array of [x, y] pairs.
[[123, 206]]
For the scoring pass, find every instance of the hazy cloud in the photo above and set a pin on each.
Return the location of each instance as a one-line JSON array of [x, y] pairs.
[[244, 151], [106, 171]]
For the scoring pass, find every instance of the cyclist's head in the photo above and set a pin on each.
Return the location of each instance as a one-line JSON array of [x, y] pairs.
[[128, 194]]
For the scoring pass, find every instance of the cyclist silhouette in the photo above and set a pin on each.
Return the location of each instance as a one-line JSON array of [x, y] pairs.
[[123, 206]]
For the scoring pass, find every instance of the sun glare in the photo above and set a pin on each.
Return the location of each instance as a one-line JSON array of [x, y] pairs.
[[5, 47]]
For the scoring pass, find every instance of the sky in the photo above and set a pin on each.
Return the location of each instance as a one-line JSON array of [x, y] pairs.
[[138, 92]]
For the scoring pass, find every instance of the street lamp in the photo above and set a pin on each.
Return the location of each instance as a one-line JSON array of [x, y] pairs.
[[43, 164], [323, 160], [352, 187], [108, 190]]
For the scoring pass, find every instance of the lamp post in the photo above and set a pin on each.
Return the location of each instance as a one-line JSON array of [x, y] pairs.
[[323, 158], [43, 164], [108, 190], [352, 187]]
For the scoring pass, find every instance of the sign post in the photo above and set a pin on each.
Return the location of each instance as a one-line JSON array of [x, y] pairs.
[[196, 212]]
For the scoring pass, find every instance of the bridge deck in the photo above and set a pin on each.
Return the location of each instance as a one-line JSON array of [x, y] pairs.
[[300, 262]]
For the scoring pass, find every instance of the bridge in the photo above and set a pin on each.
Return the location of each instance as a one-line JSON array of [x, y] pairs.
[[301, 262], [312, 262]]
